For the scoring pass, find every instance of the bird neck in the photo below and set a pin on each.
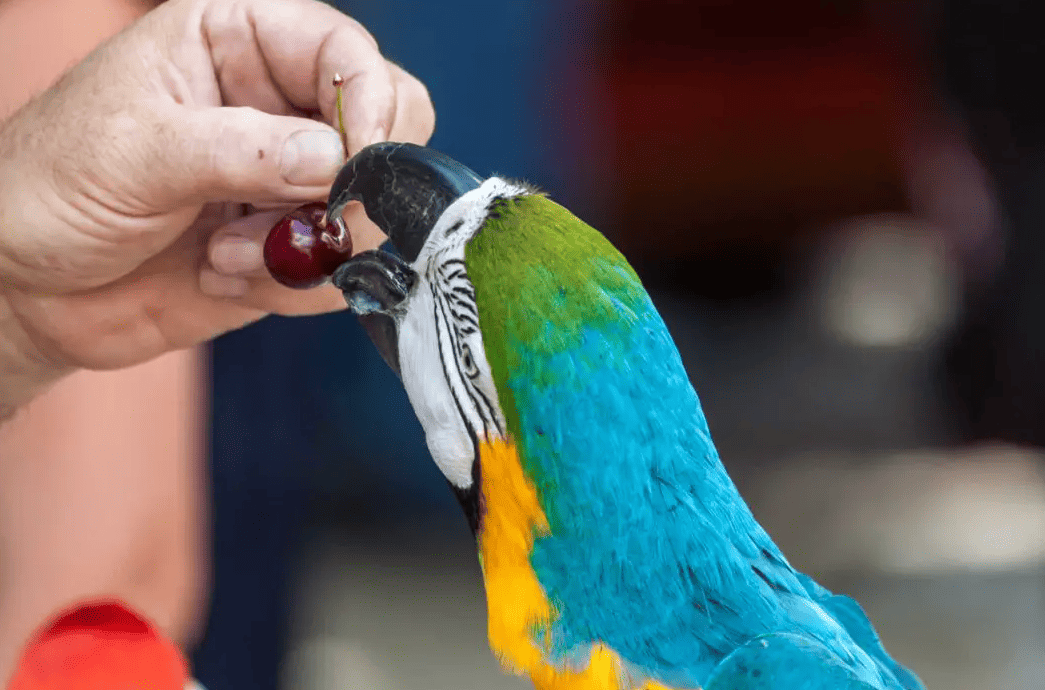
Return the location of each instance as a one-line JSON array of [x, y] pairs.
[[517, 604]]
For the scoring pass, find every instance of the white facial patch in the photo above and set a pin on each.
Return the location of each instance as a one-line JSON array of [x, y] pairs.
[[462, 219], [441, 353], [428, 388]]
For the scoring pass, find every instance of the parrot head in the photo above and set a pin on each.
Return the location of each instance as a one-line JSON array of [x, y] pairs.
[[483, 270]]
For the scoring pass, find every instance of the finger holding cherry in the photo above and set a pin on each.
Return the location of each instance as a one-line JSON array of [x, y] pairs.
[[304, 248], [282, 258], [138, 191]]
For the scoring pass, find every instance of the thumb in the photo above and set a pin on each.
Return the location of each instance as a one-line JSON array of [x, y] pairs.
[[247, 156]]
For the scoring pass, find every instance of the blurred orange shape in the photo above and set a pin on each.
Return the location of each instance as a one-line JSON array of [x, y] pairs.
[[100, 645]]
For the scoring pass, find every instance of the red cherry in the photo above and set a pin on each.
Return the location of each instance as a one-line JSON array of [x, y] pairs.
[[303, 251]]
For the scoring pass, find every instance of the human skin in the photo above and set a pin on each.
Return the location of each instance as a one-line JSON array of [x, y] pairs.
[[113, 182], [102, 486], [81, 513]]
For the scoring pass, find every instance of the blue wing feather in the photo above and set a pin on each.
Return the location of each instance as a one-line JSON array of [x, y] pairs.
[[652, 550], [784, 661], [852, 617]]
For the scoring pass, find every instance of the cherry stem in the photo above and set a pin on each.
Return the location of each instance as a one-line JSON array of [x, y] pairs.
[[339, 83]]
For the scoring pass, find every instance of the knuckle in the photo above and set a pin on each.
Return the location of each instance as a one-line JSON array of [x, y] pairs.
[[416, 104], [367, 36]]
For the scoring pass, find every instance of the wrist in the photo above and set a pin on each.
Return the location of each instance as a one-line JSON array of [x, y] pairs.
[[25, 371]]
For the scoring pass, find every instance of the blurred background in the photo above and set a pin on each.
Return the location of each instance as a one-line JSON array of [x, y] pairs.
[[836, 205]]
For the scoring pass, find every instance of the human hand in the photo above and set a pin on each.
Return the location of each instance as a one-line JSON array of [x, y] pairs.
[[124, 225]]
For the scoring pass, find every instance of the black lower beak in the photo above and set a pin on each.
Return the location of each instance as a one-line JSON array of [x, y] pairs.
[[385, 335], [375, 284]]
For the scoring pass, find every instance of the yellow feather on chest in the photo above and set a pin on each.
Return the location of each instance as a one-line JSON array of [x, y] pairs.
[[518, 608]]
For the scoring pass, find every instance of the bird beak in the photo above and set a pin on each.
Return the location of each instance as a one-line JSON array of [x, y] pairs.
[[374, 284], [404, 189]]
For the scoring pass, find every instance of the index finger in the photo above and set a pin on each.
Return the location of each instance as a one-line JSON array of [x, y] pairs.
[[303, 44]]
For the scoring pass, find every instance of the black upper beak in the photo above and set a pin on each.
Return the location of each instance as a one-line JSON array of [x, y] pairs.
[[404, 189]]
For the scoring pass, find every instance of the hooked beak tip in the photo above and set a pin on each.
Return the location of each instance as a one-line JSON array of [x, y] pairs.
[[404, 188]]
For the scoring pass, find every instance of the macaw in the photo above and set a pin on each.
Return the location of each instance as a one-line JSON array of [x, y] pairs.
[[101, 645], [616, 552]]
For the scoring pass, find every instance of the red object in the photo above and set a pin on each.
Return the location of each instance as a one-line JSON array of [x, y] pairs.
[[738, 122], [100, 645], [301, 253]]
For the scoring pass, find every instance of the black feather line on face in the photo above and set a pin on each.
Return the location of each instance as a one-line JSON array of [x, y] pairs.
[[456, 317], [471, 500], [439, 309]]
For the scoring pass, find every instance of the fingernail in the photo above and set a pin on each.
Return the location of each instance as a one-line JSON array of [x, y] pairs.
[[311, 157], [234, 254], [216, 285]]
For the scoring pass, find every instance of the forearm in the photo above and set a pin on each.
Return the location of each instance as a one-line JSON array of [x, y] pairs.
[[24, 371], [71, 28], [101, 494]]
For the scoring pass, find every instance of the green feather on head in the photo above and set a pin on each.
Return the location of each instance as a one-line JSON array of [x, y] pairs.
[[562, 274]]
